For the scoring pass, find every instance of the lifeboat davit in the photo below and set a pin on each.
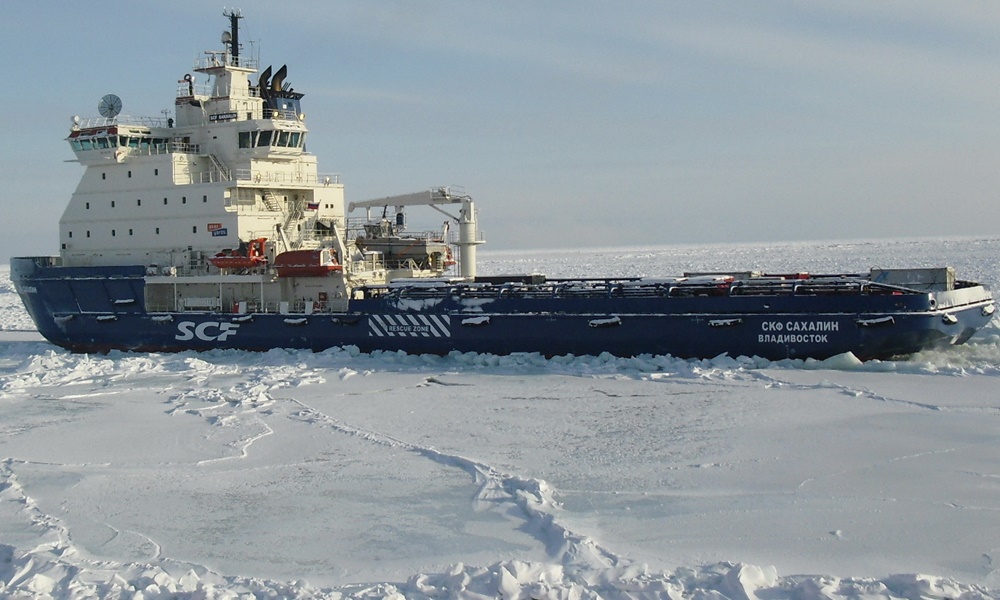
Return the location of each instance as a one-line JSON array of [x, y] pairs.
[[249, 254], [307, 263]]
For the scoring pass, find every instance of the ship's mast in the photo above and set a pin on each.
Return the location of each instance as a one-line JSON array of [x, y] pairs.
[[234, 34]]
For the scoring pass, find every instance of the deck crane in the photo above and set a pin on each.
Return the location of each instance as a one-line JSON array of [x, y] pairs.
[[468, 236]]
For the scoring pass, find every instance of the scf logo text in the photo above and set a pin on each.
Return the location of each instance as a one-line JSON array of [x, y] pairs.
[[209, 331]]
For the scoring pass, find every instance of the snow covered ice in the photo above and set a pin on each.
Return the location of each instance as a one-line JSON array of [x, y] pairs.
[[339, 474]]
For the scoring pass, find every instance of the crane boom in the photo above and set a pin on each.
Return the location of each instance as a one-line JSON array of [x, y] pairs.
[[431, 197]]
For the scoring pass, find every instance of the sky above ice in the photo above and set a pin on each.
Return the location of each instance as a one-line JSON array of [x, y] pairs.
[[572, 124]]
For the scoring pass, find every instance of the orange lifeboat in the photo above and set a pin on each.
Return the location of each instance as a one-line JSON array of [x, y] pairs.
[[307, 263], [249, 254]]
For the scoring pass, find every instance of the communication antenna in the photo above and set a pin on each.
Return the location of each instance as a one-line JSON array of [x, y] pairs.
[[109, 106]]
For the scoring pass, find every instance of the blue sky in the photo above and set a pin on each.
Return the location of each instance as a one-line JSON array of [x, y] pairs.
[[573, 124]]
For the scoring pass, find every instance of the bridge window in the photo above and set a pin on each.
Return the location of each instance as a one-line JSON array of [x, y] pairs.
[[265, 138], [246, 139]]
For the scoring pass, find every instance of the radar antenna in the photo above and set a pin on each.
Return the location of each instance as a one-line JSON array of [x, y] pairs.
[[109, 106]]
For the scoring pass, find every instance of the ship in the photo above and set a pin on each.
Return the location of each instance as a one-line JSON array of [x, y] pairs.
[[215, 229]]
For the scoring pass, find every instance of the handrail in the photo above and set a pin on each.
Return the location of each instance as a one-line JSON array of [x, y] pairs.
[[127, 120], [281, 177], [224, 59]]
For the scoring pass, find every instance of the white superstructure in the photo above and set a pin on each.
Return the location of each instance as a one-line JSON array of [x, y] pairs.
[[230, 166], [228, 176]]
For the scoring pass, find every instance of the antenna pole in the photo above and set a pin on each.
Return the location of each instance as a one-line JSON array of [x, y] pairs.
[[234, 27]]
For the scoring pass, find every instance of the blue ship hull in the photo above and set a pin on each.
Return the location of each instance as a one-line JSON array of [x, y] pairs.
[[97, 309]]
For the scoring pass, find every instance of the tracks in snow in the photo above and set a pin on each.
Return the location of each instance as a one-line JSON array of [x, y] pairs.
[[534, 497], [253, 398]]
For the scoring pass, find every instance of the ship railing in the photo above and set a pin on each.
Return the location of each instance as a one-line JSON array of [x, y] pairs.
[[806, 287], [416, 236], [370, 261], [285, 178], [310, 237], [155, 149], [356, 229], [214, 59], [216, 305], [128, 120], [213, 176], [316, 236], [632, 288], [183, 148], [430, 236], [193, 90], [453, 236], [280, 114]]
